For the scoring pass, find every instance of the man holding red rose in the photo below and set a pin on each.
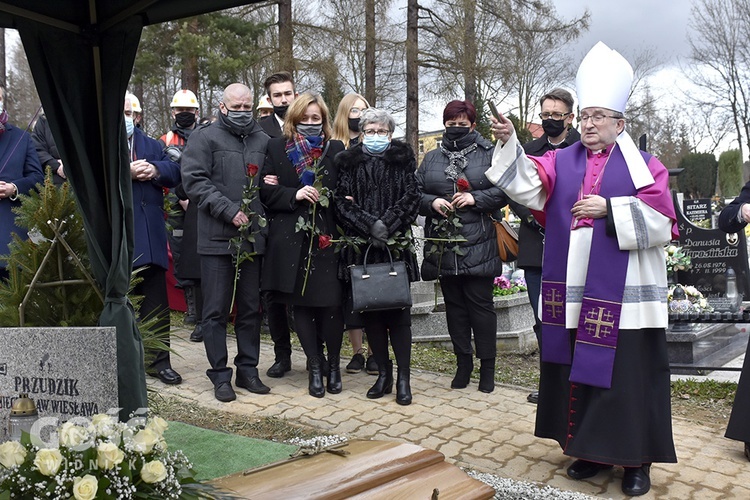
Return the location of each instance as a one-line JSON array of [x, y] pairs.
[[215, 168]]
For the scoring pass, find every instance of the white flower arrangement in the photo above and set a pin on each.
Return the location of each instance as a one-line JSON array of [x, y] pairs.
[[101, 459]]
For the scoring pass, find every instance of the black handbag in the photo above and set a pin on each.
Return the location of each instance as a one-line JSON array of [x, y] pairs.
[[379, 287]]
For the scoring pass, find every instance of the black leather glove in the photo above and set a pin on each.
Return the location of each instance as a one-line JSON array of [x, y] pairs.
[[379, 231]]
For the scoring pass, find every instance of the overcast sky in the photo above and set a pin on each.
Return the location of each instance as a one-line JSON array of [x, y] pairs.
[[633, 25]]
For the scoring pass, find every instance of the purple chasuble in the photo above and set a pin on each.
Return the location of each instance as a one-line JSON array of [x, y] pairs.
[[598, 324]]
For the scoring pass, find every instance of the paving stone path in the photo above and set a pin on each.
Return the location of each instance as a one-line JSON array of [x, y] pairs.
[[487, 432]]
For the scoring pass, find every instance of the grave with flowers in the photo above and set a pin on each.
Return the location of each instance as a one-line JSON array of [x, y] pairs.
[[709, 275]]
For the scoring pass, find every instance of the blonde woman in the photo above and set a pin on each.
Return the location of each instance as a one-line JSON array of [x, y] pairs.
[[346, 130], [346, 123]]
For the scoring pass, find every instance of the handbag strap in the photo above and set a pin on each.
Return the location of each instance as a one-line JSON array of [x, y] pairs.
[[364, 264]]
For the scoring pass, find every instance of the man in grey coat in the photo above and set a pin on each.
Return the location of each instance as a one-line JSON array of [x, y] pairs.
[[215, 170]]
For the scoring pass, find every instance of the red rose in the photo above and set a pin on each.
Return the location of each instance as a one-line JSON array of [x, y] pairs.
[[252, 170], [324, 241], [316, 153], [463, 185]]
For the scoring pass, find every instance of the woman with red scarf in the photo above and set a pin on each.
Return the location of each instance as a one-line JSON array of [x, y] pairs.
[[301, 266]]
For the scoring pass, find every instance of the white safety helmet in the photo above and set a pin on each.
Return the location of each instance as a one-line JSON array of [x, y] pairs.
[[135, 103], [184, 99]]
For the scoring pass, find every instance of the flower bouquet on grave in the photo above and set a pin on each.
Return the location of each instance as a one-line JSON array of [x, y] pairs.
[[504, 286]]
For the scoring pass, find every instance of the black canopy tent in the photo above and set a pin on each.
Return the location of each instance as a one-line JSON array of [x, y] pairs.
[[81, 54]]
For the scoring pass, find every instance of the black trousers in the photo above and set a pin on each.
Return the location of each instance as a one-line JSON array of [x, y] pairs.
[[278, 327], [394, 324], [469, 308], [217, 283], [314, 324], [533, 276], [155, 303]]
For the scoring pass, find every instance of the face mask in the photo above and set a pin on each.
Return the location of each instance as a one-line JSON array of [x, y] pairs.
[[354, 124], [553, 128], [376, 143], [280, 111], [2, 106], [453, 134], [310, 129], [239, 119], [129, 125], [185, 119]]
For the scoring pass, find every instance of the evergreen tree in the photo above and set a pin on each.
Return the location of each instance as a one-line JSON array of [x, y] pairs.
[[62, 294], [699, 178], [730, 173]]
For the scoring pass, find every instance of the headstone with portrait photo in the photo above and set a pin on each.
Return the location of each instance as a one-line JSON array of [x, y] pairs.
[[712, 252]]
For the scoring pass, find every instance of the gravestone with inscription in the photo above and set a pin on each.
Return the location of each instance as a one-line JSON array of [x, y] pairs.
[[712, 252], [697, 210], [68, 372]]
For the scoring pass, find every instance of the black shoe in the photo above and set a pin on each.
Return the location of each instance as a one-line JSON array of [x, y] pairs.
[[167, 375], [252, 384], [464, 367], [384, 384], [334, 375], [583, 469], [356, 364], [315, 385], [636, 480], [403, 388], [371, 366], [197, 335], [533, 397], [487, 375], [224, 392], [279, 368]]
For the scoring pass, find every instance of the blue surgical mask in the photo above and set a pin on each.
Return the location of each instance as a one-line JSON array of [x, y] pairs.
[[129, 125], [376, 143]]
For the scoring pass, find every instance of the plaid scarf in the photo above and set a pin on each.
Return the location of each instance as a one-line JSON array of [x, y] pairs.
[[457, 161], [304, 151]]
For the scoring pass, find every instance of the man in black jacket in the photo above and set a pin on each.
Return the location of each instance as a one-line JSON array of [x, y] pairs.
[[46, 148], [215, 166], [557, 117], [280, 89]]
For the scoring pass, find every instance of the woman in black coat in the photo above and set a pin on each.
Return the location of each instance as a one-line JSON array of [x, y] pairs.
[[452, 181], [377, 199], [301, 267], [733, 219]]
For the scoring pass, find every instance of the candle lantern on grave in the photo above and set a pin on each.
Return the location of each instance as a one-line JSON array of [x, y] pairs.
[[23, 414]]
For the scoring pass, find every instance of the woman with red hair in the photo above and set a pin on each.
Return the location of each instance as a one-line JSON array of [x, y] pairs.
[[453, 185]]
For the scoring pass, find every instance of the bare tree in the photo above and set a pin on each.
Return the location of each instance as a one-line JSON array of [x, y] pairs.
[[518, 54], [22, 101], [720, 64], [286, 36], [412, 75]]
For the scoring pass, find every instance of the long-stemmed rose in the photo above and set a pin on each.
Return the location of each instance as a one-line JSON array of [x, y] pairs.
[[313, 176], [246, 232]]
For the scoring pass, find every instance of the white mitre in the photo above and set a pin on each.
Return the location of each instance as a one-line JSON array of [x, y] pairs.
[[603, 80]]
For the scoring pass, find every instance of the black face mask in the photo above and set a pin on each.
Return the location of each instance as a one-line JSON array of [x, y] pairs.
[[185, 119], [553, 128], [354, 124], [280, 111], [453, 134]]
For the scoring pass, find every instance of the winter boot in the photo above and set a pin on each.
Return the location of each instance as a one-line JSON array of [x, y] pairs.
[[403, 388], [384, 384], [315, 378], [487, 375], [465, 365], [334, 375]]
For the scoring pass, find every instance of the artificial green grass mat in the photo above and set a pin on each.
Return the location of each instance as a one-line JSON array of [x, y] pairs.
[[217, 454]]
